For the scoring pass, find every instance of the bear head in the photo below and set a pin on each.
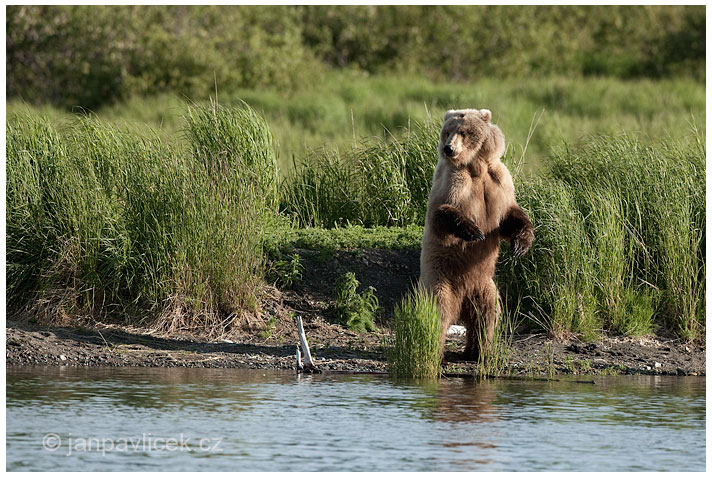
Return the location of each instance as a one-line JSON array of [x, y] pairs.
[[468, 136]]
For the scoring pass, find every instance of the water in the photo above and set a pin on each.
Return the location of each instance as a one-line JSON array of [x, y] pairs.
[[238, 420]]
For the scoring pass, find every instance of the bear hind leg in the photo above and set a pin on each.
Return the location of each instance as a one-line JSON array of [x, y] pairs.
[[468, 317], [480, 317], [449, 305]]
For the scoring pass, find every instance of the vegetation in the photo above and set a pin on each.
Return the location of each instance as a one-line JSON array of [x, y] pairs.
[[620, 240], [95, 55], [372, 186], [336, 74], [104, 224], [347, 113], [286, 271], [165, 213], [284, 237], [270, 327], [353, 310], [91, 55], [414, 351], [494, 361]]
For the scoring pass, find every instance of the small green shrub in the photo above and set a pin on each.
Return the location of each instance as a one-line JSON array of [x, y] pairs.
[[353, 310], [414, 351], [286, 271]]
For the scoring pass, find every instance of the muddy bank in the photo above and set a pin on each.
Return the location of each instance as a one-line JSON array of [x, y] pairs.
[[111, 346], [272, 346], [534, 355]]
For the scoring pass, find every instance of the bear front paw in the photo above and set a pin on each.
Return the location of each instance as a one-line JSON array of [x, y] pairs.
[[470, 233], [523, 242], [451, 221]]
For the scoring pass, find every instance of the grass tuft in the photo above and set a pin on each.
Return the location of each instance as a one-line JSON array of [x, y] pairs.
[[414, 351]]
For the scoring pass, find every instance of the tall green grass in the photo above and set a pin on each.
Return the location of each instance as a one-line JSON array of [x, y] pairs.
[[385, 183], [554, 278], [661, 194], [235, 144], [414, 350], [106, 225], [620, 231]]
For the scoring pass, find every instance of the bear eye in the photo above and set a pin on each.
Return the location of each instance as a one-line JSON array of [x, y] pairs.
[[461, 133]]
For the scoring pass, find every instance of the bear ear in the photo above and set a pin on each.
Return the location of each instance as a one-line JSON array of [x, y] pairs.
[[486, 115], [449, 114]]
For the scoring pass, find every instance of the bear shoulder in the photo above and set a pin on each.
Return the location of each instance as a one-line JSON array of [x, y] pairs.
[[500, 175]]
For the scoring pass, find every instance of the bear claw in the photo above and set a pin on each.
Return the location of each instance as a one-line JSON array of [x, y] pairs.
[[522, 243], [471, 234]]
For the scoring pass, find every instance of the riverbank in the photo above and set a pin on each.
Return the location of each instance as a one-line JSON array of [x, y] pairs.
[[269, 341], [531, 354]]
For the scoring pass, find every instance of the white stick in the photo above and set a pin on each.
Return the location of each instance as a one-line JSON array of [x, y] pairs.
[[303, 339], [299, 359]]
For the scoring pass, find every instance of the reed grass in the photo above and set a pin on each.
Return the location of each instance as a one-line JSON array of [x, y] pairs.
[[554, 278], [661, 196]]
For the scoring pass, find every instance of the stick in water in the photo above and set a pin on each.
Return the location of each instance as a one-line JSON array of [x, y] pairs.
[[309, 366]]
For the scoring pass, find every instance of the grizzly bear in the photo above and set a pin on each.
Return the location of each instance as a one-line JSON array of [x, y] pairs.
[[471, 208]]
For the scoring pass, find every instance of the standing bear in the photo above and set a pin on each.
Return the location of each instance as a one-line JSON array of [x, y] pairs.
[[471, 208]]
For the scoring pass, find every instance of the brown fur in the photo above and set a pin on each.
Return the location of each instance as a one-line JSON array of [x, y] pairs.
[[470, 209]]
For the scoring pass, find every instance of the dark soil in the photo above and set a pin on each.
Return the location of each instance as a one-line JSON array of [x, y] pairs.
[[392, 274]]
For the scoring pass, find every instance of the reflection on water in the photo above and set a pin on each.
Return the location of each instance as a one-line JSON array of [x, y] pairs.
[[239, 420]]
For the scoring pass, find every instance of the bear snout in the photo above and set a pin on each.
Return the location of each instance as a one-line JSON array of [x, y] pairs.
[[447, 149]]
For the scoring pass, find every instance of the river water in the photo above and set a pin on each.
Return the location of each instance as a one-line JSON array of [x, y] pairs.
[[112, 419]]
